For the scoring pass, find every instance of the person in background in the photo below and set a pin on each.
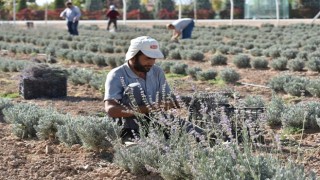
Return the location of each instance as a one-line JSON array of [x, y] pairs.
[[182, 27], [72, 15], [112, 16]]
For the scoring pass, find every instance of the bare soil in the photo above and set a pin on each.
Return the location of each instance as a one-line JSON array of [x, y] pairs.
[[34, 159]]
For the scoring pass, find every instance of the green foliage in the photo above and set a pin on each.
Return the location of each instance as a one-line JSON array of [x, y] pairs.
[[175, 54], [296, 87], [218, 59], [95, 133], [48, 124], [242, 61], [296, 65], [133, 5], [93, 5], [256, 52], [289, 53], [314, 64], [164, 4], [80, 76], [206, 75], [204, 4], [22, 4], [179, 68], [313, 87], [195, 55], [192, 72], [58, 4], [229, 75], [67, 132], [165, 65], [259, 63], [277, 82], [253, 102], [301, 115], [274, 111], [25, 118], [279, 64]]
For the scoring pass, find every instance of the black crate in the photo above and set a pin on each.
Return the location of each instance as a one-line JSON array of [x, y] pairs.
[[31, 88]]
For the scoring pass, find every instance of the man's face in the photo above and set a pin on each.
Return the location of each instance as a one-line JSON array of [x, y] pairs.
[[69, 5], [143, 63]]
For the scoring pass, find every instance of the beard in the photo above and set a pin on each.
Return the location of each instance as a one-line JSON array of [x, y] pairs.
[[139, 67]]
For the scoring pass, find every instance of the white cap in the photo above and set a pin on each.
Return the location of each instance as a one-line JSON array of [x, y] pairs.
[[147, 45], [112, 7]]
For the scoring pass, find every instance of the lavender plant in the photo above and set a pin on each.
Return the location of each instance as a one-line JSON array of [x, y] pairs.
[[279, 64], [241, 61], [259, 63], [218, 59], [313, 87], [229, 75], [296, 65], [206, 75]]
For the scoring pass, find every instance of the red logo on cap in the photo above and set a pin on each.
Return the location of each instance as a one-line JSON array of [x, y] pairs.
[[154, 46]]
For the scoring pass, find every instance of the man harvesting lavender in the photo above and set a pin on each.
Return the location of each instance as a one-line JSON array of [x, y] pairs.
[[72, 15], [137, 86]]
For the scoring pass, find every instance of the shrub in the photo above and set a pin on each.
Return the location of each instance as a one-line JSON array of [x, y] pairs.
[[279, 64], [296, 65], [274, 53], [235, 50], [303, 55], [165, 65], [206, 75], [78, 56], [179, 68], [23, 117], [259, 63], [296, 87], [93, 131], [223, 49], [253, 102], [92, 47], [80, 76], [88, 58], [108, 49], [313, 64], [256, 52], [289, 53], [48, 125], [301, 115], [313, 87], [111, 61], [195, 55], [242, 61], [248, 45], [99, 60], [229, 75], [277, 82], [274, 111], [218, 59], [192, 72], [175, 54]]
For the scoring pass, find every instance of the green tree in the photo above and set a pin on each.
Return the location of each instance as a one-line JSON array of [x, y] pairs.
[[78, 3], [93, 5], [58, 4], [132, 5], [22, 4], [169, 5], [204, 4]]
